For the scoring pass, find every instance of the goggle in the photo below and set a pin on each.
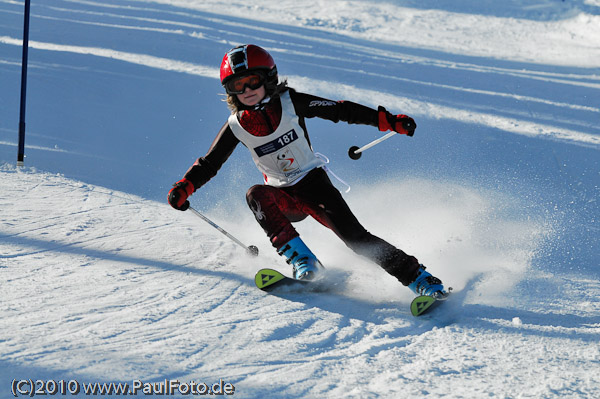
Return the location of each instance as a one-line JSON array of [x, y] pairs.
[[238, 85]]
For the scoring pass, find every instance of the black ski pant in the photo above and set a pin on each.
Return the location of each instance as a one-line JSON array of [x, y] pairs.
[[276, 208]]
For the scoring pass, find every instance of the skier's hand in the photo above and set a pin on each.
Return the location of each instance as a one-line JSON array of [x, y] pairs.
[[399, 123], [179, 194]]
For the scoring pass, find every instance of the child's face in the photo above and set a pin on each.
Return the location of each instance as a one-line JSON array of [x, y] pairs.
[[252, 97]]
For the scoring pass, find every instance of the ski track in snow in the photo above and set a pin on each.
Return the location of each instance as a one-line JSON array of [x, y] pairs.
[[513, 124], [104, 285], [109, 286], [413, 107]]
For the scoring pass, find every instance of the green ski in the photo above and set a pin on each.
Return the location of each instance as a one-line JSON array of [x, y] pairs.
[[270, 279], [424, 303]]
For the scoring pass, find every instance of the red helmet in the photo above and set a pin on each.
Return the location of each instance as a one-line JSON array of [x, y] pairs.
[[246, 58]]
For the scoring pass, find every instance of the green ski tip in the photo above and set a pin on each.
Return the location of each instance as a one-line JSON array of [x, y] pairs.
[[266, 277], [420, 304]]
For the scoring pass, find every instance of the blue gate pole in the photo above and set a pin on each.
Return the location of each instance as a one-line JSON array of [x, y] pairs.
[[21, 154]]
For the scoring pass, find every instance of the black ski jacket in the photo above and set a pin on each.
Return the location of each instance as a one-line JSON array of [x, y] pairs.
[[305, 105]]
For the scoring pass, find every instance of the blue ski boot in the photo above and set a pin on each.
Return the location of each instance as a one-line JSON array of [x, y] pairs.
[[305, 263], [426, 284]]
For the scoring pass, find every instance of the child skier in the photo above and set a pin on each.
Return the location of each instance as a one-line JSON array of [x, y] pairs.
[[268, 117]]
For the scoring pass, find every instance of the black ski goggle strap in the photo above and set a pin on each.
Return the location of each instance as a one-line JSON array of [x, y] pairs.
[[238, 59]]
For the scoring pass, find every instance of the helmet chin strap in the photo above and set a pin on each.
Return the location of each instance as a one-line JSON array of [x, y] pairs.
[[262, 103]]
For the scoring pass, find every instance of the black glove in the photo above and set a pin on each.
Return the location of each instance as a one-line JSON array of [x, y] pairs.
[[178, 196], [399, 123]]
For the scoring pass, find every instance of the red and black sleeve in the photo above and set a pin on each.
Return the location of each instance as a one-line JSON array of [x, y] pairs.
[[206, 167], [309, 106]]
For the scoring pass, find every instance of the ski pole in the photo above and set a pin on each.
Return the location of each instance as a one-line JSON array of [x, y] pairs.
[[252, 250], [355, 152]]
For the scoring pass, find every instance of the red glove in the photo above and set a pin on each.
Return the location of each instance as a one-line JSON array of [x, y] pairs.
[[399, 123], [179, 194]]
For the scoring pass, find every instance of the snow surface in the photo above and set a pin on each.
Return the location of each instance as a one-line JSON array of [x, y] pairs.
[[497, 193]]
